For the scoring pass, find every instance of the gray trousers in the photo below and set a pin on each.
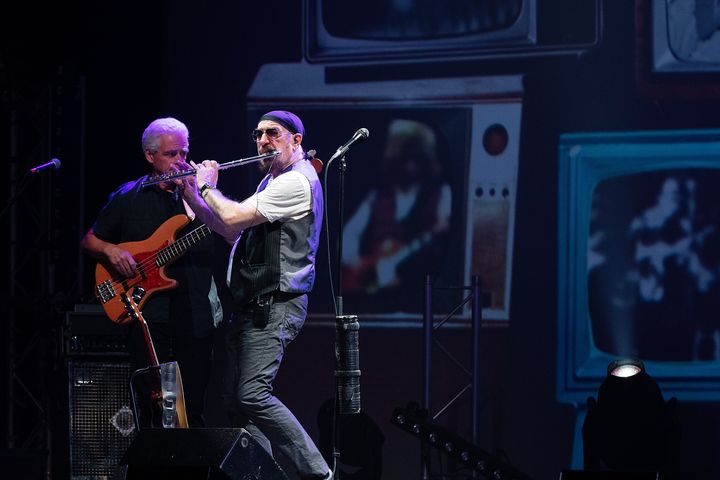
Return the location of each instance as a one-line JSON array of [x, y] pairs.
[[255, 347]]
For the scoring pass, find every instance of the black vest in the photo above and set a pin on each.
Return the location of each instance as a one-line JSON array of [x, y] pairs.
[[279, 256]]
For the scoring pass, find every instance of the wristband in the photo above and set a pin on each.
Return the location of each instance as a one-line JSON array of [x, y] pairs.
[[204, 188]]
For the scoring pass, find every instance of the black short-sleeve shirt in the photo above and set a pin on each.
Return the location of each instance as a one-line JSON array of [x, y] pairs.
[[134, 213]]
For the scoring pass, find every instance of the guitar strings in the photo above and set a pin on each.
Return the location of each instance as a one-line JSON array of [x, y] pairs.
[[149, 264], [152, 260]]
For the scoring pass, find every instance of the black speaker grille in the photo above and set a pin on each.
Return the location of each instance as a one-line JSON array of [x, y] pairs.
[[101, 419]]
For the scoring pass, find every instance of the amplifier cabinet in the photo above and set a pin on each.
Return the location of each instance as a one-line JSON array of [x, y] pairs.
[[88, 332], [102, 424]]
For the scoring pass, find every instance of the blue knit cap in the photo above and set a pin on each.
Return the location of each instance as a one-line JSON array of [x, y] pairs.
[[287, 119]]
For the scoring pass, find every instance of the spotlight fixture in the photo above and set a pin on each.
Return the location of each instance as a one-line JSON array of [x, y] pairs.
[[626, 367], [630, 427], [415, 421]]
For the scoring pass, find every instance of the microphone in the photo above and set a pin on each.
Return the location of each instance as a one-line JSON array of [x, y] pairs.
[[54, 164], [359, 136], [347, 363]]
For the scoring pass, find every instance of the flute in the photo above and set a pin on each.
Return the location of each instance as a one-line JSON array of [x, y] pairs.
[[166, 177]]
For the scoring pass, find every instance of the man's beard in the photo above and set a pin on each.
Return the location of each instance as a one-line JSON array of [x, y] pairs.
[[265, 164]]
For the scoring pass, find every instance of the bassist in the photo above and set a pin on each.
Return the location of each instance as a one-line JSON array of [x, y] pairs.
[[181, 320]]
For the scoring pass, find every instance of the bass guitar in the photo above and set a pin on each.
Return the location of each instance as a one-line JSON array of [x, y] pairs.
[[151, 256]]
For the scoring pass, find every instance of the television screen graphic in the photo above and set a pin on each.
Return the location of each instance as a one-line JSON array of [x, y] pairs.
[[653, 265], [686, 35], [413, 30], [639, 259], [401, 228], [411, 20], [430, 191], [403, 29]]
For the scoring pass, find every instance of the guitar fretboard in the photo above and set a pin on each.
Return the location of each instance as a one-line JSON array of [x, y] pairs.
[[179, 246]]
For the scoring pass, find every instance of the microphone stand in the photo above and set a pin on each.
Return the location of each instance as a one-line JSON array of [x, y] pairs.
[[341, 206], [346, 328], [339, 299]]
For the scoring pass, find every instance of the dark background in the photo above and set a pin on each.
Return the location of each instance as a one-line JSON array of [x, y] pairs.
[[141, 60]]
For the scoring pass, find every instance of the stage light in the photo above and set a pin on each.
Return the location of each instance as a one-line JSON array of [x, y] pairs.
[[630, 427], [414, 420], [626, 367]]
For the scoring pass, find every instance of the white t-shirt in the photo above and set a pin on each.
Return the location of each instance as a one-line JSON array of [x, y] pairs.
[[285, 198]]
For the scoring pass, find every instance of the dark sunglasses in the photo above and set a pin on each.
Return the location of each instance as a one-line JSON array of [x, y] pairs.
[[272, 133]]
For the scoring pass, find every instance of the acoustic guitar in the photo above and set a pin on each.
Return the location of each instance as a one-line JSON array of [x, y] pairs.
[[152, 256], [167, 404]]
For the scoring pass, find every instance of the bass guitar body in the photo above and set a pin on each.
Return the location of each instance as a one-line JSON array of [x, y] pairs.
[[151, 256]]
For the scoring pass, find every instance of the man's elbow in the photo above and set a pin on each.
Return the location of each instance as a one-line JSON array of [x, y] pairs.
[[85, 241]]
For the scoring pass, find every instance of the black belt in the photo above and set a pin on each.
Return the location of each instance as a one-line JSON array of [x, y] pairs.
[[263, 301], [259, 307]]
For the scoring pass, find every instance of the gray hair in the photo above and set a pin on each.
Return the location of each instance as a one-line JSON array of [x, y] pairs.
[[159, 127]]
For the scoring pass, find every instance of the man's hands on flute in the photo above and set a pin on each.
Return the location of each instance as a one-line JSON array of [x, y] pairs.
[[206, 174]]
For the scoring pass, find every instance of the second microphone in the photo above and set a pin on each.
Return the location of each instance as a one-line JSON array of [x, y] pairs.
[[358, 137]]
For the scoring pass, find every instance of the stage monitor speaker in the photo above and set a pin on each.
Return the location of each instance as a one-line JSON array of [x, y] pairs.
[[198, 453], [101, 418], [591, 475]]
